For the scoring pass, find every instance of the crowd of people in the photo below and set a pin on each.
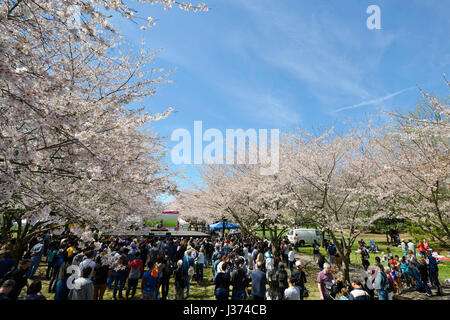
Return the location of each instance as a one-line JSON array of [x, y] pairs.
[[420, 272], [242, 268]]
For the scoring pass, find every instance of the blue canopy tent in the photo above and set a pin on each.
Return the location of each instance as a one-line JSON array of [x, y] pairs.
[[219, 226]]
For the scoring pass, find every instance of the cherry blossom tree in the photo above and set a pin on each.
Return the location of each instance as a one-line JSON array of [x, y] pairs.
[[415, 159], [70, 149], [213, 199], [331, 183], [241, 194]]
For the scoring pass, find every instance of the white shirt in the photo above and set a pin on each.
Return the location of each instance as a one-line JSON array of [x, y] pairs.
[[245, 253], [269, 264], [219, 267], [292, 293], [201, 258], [291, 256]]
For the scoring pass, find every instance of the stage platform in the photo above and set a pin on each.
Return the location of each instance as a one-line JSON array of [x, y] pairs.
[[157, 233]]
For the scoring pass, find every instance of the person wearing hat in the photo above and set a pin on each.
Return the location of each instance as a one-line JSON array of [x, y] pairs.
[[6, 288], [132, 253], [299, 277], [390, 255], [36, 256]]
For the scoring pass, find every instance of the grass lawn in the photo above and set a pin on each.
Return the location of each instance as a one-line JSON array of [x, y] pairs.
[[380, 239], [355, 258]]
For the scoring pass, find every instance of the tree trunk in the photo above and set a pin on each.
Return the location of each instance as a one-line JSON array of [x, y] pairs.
[[223, 229], [264, 230], [323, 239], [346, 264], [17, 250], [275, 241]]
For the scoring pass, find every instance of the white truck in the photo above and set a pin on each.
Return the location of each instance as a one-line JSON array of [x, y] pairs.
[[305, 236]]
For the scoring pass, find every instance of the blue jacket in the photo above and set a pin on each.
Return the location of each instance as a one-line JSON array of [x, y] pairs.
[[61, 291], [332, 250], [432, 264], [188, 262], [259, 281]]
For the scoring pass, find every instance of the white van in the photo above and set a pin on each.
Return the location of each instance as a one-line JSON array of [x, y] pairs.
[[305, 236]]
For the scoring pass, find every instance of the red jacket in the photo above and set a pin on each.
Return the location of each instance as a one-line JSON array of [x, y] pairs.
[[421, 248], [135, 263]]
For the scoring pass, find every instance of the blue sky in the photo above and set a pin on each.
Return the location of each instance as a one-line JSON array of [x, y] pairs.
[[288, 63]]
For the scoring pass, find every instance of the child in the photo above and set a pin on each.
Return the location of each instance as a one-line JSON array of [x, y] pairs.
[[344, 294], [390, 255]]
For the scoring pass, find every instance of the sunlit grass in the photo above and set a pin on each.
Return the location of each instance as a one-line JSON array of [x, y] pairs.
[[355, 258]]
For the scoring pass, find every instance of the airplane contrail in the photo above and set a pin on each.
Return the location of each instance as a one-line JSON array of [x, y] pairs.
[[373, 101]]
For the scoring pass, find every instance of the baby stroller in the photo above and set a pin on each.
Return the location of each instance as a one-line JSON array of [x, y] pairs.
[[332, 288]]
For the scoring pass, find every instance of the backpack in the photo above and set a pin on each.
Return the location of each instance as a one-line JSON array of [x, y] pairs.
[[282, 278], [135, 272], [332, 250], [170, 266], [390, 286], [316, 249], [183, 280], [385, 282], [165, 271], [297, 276], [78, 259], [59, 260], [240, 280], [154, 273]]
